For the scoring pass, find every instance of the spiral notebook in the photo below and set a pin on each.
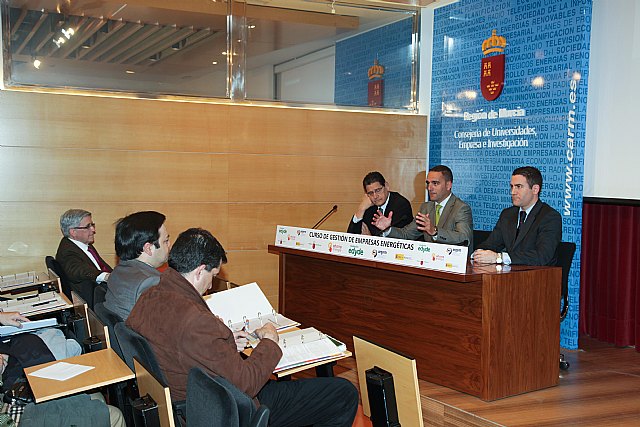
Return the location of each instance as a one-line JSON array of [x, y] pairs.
[[306, 346], [247, 307]]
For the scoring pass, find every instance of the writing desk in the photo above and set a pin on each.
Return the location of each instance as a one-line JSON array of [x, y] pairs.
[[108, 369], [488, 332]]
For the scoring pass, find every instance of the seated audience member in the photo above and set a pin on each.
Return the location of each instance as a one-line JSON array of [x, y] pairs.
[[142, 244], [378, 198], [184, 333], [29, 350], [526, 233], [443, 219], [80, 262]]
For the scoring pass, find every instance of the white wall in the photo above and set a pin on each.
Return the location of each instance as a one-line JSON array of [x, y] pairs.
[[310, 78], [613, 112]]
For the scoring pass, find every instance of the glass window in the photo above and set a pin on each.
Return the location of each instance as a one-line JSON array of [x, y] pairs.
[[293, 51]]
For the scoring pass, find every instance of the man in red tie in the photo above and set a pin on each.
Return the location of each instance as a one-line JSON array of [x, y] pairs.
[[81, 264]]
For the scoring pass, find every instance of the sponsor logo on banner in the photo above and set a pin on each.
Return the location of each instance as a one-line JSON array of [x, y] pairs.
[[356, 251], [492, 67], [400, 256]]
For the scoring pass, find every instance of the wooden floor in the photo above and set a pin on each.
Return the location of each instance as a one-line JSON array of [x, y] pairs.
[[601, 388]]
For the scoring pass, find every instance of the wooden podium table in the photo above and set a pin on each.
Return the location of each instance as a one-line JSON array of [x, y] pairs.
[[490, 333]]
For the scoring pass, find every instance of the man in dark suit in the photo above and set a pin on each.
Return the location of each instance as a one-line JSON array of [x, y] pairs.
[[443, 219], [81, 264], [378, 198], [528, 232]]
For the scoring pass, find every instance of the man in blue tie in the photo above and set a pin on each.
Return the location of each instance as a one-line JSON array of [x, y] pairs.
[[526, 233]]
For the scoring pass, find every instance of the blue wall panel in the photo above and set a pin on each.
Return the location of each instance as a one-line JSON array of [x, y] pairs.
[[391, 44], [546, 75]]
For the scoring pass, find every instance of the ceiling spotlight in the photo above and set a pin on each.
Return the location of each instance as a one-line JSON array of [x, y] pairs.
[[37, 63], [251, 27], [225, 52], [129, 71], [68, 32], [214, 63]]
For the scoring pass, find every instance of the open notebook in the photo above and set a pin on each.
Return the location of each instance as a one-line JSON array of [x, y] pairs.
[[305, 346], [246, 306]]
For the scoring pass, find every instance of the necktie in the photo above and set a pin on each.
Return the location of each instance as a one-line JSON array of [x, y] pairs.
[[523, 216], [103, 265], [438, 209]]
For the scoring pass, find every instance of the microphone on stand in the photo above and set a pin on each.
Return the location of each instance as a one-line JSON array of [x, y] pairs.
[[324, 218]]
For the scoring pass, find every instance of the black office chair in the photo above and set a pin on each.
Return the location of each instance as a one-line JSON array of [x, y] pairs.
[[55, 266], [135, 345], [110, 319], [99, 294], [479, 236], [565, 253], [215, 402]]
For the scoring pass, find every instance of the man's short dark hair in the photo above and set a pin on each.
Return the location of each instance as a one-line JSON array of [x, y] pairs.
[[195, 247], [371, 178], [531, 174], [445, 171], [135, 230]]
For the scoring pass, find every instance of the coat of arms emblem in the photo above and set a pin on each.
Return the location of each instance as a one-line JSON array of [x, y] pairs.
[[492, 68]]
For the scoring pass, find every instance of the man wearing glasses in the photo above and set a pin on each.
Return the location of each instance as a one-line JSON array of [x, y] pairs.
[[443, 219], [378, 199], [80, 262]]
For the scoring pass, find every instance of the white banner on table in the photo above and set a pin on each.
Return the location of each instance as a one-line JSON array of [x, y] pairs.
[[432, 256]]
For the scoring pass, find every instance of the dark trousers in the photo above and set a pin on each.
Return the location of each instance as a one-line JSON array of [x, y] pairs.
[[310, 401]]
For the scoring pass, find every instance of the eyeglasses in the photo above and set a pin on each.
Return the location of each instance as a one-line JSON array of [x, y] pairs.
[[376, 191], [86, 227]]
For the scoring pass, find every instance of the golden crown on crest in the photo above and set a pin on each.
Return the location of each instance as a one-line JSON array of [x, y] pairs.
[[376, 70], [494, 43]]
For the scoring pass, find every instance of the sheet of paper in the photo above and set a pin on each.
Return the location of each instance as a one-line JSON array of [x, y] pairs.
[[61, 371]]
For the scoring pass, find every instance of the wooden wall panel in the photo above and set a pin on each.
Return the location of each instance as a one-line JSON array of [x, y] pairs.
[[111, 123], [324, 133], [313, 178], [253, 266], [27, 238], [235, 170], [111, 175]]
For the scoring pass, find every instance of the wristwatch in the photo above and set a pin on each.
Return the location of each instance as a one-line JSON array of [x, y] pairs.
[[499, 258]]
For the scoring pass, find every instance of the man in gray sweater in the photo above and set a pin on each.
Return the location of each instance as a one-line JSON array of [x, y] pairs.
[[142, 244]]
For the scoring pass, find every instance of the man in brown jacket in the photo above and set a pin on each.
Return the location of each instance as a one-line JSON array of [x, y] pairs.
[[184, 333]]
